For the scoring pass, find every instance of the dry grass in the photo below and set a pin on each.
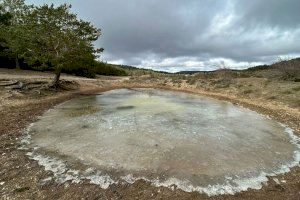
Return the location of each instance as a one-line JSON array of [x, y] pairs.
[[22, 176], [227, 82]]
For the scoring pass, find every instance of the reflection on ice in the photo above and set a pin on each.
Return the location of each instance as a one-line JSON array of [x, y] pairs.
[[168, 138]]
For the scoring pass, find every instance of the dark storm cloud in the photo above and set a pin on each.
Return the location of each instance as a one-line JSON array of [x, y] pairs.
[[193, 35], [283, 13]]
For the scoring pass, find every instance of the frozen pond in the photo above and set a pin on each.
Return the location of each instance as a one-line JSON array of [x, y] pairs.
[[193, 142]]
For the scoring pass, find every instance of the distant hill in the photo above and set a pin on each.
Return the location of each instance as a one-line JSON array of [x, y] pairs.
[[287, 69], [130, 70], [188, 72], [293, 64]]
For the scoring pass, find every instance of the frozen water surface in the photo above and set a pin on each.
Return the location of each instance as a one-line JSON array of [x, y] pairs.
[[168, 138]]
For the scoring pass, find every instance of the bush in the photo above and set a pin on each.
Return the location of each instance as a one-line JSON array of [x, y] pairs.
[[290, 69], [102, 68], [191, 80], [89, 70], [85, 72]]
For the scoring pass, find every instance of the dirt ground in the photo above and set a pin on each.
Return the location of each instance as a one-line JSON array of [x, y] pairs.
[[23, 102]]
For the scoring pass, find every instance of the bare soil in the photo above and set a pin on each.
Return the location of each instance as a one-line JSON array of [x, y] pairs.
[[22, 178]]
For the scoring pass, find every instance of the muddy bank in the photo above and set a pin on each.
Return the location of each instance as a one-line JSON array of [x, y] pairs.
[[22, 178]]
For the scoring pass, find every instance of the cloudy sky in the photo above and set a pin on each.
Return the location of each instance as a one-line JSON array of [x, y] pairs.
[[175, 35]]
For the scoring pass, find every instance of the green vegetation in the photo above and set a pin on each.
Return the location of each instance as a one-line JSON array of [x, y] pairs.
[[50, 38], [134, 71]]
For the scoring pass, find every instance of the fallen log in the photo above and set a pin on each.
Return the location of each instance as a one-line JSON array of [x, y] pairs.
[[19, 85], [8, 83]]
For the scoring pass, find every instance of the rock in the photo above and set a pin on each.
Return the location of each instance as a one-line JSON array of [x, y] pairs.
[[276, 181], [45, 182]]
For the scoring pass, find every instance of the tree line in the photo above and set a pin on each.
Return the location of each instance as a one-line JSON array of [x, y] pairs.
[[49, 37]]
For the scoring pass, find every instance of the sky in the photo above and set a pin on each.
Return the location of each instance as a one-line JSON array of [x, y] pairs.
[[181, 35]]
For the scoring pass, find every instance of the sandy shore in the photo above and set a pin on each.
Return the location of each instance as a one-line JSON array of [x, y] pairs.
[[22, 178]]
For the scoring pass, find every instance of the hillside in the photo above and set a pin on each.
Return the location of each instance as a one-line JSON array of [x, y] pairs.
[[287, 70]]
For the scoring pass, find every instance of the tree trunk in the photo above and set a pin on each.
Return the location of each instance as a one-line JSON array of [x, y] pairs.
[[55, 82], [17, 62]]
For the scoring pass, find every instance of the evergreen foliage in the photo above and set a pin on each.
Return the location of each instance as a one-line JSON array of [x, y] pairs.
[[50, 38]]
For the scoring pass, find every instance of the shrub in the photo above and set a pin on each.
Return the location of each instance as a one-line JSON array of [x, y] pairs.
[[191, 80], [102, 68], [247, 91], [290, 69]]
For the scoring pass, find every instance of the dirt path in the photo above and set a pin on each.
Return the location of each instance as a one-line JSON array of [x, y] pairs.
[[22, 178]]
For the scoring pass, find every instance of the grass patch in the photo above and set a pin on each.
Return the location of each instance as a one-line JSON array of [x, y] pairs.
[[297, 89], [191, 80], [296, 104], [272, 97], [267, 82], [287, 92], [247, 91]]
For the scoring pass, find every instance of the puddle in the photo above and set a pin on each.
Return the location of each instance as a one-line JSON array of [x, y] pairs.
[[167, 138]]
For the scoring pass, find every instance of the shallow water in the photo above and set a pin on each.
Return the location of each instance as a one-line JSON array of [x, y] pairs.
[[194, 142]]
